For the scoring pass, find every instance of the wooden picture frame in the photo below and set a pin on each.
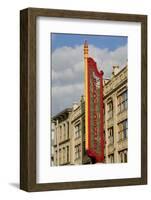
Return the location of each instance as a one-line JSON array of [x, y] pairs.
[[28, 98]]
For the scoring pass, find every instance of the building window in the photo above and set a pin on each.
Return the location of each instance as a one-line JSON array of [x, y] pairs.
[[60, 133], [64, 131], [67, 130], [77, 151], [67, 154], [56, 160], [122, 102], [123, 156], [55, 136], [110, 109], [123, 130], [111, 158], [59, 156], [111, 136], [77, 131], [63, 157]]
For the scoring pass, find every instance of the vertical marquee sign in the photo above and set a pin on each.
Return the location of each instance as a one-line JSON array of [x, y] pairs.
[[94, 124]]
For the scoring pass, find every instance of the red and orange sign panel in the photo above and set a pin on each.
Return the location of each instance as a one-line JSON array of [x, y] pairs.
[[94, 111]]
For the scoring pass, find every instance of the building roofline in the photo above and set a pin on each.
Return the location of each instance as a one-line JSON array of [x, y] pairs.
[[63, 112], [116, 75]]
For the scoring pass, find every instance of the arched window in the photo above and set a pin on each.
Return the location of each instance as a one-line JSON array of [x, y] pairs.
[[111, 135]]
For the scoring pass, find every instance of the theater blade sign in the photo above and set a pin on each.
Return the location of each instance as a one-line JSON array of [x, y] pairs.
[[93, 109]]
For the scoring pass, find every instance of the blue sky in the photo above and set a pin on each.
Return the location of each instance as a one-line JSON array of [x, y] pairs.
[[101, 41], [68, 63]]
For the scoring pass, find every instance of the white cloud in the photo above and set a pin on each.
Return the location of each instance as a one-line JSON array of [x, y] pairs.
[[68, 71], [64, 96]]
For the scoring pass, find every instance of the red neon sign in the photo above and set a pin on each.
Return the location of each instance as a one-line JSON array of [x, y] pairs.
[[95, 138]]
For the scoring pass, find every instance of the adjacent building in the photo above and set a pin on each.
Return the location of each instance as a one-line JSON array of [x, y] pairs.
[[78, 155], [69, 126], [62, 138], [116, 117]]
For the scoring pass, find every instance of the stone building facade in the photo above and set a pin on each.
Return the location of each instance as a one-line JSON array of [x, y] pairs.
[[116, 117], [69, 126], [61, 141], [79, 155]]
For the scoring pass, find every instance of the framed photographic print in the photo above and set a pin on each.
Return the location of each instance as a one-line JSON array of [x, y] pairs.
[[83, 99]]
